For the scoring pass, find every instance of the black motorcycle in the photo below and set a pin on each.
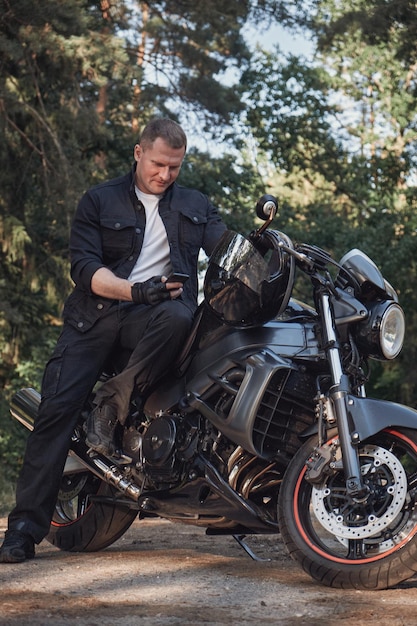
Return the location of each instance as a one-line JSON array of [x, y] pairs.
[[263, 425]]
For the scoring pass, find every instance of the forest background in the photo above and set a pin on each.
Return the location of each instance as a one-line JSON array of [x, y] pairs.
[[333, 136]]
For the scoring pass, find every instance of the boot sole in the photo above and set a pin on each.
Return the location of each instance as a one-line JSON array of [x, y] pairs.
[[11, 558]]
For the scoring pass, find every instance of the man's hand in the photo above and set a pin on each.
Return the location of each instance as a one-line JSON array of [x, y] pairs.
[[152, 291]]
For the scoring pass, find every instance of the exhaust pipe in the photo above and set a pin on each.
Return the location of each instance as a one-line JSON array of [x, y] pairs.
[[24, 407]]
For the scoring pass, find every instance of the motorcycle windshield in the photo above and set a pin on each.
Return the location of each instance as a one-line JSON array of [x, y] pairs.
[[234, 280], [367, 276]]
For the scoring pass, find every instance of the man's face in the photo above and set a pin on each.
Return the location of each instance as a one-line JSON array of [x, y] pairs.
[[157, 166]]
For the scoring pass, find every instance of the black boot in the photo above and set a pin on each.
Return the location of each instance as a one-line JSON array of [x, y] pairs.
[[16, 547], [101, 424]]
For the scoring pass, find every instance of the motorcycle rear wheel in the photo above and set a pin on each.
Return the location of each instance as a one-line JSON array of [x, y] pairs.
[[352, 545], [82, 524]]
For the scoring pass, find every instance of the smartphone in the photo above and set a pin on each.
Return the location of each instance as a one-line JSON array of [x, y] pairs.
[[177, 278]]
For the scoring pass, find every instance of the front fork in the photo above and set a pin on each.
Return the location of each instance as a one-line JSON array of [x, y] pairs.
[[339, 394]]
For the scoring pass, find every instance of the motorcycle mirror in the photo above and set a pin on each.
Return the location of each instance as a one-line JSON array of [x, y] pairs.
[[267, 207]]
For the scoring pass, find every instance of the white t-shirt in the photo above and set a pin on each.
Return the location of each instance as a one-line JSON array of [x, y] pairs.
[[154, 258]]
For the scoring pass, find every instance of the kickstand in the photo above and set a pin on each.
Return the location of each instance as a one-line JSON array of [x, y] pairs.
[[241, 541]]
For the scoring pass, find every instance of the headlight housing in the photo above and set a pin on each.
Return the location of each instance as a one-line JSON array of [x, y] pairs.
[[381, 335]]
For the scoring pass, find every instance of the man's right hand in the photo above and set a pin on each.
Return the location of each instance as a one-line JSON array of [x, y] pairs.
[[152, 291]]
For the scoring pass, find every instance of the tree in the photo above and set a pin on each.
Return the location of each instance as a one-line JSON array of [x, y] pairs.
[[341, 132], [49, 125]]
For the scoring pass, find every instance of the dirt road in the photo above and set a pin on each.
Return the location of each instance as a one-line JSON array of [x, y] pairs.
[[162, 574]]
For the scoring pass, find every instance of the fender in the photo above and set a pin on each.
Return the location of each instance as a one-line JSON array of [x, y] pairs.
[[369, 416]]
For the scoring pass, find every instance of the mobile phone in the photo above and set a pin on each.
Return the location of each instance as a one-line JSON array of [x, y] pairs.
[[177, 278]]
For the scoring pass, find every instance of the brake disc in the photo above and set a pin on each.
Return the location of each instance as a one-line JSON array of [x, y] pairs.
[[345, 518]]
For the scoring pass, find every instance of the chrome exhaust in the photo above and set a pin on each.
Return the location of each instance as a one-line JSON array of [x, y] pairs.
[[24, 406]]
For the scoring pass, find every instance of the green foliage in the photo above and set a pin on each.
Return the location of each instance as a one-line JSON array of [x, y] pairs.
[[340, 133], [233, 188], [12, 444]]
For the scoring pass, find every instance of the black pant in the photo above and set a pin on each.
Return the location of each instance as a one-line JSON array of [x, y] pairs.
[[155, 334]]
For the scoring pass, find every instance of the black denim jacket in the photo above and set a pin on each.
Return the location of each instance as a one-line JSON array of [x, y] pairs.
[[108, 231]]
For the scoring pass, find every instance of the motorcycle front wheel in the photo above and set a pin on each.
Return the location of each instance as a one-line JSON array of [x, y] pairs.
[[350, 544], [85, 519]]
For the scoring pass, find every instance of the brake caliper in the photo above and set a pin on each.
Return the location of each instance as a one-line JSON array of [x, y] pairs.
[[322, 462]]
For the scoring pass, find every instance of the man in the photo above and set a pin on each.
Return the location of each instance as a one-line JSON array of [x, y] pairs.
[[129, 234]]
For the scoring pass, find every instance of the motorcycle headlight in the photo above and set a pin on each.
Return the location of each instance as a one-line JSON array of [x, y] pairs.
[[381, 335]]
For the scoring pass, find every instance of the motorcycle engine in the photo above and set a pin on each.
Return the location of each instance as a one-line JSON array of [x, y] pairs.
[[166, 443]]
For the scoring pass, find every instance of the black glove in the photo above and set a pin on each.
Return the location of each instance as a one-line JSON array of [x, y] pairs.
[[150, 292]]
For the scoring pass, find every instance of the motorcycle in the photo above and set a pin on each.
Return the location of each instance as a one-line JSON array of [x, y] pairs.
[[263, 425]]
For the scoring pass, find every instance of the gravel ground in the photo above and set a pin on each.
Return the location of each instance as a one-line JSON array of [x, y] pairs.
[[161, 574]]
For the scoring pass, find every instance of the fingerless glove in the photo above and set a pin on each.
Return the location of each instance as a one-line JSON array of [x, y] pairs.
[[152, 291]]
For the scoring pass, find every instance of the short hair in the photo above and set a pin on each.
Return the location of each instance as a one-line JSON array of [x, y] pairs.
[[165, 129]]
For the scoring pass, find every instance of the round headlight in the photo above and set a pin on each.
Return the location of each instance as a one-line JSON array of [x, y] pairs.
[[381, 335], [392, 330]]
